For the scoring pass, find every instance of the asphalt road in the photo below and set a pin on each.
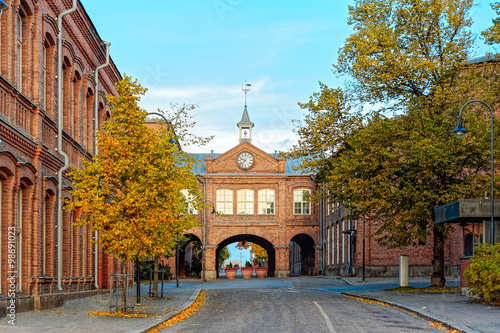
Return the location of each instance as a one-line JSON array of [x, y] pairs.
[[295, 310]]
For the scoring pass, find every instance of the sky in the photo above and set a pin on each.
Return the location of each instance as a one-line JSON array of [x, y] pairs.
[[202, 51]]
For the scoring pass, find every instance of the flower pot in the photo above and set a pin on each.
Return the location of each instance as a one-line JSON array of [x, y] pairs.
[[231, 273], [261, 272], [247, 272]]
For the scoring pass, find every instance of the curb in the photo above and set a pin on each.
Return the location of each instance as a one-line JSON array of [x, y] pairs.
[[167, 316], [421, 313]]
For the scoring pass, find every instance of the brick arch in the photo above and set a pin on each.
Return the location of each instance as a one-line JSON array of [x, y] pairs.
[[49, 232], [78, 63], [192, 237], [27, 172], [262, 241], [311, 232], [27, 6], [8, 162], [24, 227], [307, 252], [50, 184], [49, 44], [49, 26], [68, 51]]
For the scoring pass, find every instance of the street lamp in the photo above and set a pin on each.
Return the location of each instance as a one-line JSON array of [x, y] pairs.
[[205, 235], [460, 132], [3, 7]]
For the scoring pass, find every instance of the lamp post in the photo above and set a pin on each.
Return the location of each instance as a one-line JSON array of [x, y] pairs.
[[205, 236], [3, 7], [460, 132]]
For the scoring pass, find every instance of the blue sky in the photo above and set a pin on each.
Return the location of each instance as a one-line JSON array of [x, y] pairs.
[[202, 51]]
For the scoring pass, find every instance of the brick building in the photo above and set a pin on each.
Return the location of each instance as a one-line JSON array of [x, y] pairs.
[[48, 260], [344, 250], [261, 199]]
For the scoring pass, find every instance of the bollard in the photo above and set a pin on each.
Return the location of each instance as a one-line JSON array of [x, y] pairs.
[[403, 271]]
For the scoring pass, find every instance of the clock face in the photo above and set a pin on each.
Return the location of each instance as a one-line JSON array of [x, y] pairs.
[[245, 160]]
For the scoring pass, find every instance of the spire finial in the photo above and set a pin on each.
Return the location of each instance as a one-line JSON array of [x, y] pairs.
[[245, 88]]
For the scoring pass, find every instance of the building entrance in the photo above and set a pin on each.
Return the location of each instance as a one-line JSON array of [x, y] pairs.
[[265, 244]]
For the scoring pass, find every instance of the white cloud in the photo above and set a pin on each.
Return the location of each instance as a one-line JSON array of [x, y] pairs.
[[220, 108]]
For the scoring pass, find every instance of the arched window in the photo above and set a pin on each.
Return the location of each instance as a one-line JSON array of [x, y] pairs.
[[43, 97], [88, 132], [266, 202], [224, 201], [301, 203], [19, 51], [245, 202], [19, 237], [76, 85]]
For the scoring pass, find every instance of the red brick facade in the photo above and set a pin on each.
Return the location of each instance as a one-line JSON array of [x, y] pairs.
[[29, 160], [275, 229], [344, 250]]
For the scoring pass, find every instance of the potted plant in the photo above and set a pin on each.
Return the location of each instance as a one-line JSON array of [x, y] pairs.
[[230, 271], [247, 271], [260, 269]]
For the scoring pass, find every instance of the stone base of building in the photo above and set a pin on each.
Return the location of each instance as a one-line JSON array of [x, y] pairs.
[[282, 273], [210, 275], [41, 302], [387, 271]]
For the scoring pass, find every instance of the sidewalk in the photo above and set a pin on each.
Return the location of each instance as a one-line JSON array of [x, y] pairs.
[[74, 316], [453, 310]]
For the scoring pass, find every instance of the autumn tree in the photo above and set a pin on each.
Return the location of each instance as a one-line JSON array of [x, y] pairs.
[[131, 192], [492, 34], [406, 58], [224, 254], [258, 251]]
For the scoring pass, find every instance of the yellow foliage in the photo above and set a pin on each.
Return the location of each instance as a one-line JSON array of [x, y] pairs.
[[131, 191], [183, 315]]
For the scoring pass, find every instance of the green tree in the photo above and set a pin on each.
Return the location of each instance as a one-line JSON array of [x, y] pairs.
[[258, 251], [224, 254], [409, 56], [131, 191], [492, 34]]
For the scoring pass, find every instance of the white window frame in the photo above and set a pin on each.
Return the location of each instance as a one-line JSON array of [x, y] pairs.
[[301, 205], [19, 238], [44, 78], [19, 52], [267, 199], [245, 202], [224, 201]]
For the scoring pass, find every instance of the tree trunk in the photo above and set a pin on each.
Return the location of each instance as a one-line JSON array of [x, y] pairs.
[[123, 281], [437, 278], [155, 277]]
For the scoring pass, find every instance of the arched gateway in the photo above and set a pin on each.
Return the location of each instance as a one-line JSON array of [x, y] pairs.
[[259, 198]]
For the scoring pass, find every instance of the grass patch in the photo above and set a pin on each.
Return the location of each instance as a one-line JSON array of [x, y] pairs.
[[427, 290]]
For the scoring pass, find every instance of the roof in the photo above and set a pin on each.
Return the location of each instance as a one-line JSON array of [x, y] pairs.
[[245, 119], [199, 168], [465, 211]]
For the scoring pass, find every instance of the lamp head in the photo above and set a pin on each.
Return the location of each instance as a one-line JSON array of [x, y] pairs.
[[3, 6], [460, 131]]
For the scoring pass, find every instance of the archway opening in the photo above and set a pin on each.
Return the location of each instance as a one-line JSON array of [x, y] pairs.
[[190, 257], [301, 256], [266, 245]]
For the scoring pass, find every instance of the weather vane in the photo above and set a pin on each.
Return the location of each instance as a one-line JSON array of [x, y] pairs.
[[245, 88]]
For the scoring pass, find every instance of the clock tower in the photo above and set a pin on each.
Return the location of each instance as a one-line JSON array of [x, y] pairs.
[[245, 125]]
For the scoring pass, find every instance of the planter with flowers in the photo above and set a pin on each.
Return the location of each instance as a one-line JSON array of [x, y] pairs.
[[231, 271], [260, 269], [247, 271]]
